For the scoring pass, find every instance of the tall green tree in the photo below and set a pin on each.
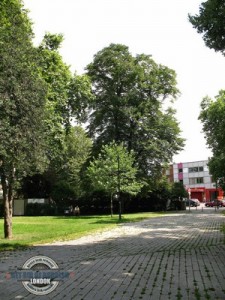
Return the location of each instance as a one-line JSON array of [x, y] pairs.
[[67, 94], [67, 171], [178, 191], [129, 106], [212, 118], [22, 102], [114, 171], [210, 23], [57, 77]]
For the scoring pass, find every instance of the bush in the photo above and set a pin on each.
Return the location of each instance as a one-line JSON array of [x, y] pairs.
[[37, 209]]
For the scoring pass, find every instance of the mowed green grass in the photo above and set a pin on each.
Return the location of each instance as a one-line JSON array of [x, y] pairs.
[[30, 231]]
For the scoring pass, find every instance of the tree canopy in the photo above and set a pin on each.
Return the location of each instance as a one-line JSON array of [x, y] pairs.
[[66, 170], [114, 171], [212, 118], [210, 23], [66, 93], [22, 102], [129, 106]]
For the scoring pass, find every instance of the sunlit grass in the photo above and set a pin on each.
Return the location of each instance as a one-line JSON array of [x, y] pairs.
[[29, 231]]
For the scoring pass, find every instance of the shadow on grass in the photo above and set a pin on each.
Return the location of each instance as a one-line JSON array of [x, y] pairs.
[[118, 221], [13, 246], [111, 220], [82, 217]]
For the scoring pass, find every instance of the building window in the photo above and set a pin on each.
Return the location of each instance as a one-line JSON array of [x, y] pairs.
[[180, 170], [192, 180], [196, 180], [185, 170], [195, 169], [200, 180], [192, 170]]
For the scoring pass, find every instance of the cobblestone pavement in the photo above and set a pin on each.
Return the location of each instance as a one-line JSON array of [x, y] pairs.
[[178, 256]]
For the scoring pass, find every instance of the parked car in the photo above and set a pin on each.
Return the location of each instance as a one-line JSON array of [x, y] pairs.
[[196, 201], [68, 211], [222, 203], [210, 204], [214, 203], [192, 202]]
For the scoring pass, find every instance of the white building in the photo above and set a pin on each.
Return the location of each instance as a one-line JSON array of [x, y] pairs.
[[196, 178]]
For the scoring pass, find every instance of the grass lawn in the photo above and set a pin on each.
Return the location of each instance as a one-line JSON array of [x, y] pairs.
[[223, 226], [28, 231]]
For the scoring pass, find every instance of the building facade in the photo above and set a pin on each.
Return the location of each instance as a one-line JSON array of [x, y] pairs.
[[197, 180]]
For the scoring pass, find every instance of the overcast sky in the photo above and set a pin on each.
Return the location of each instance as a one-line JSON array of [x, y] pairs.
[[157, 27]]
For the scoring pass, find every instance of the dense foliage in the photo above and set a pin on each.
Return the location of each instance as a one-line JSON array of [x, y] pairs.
[[22, 101], [212, 118], [129, 107], [210, 23], [114, 171]]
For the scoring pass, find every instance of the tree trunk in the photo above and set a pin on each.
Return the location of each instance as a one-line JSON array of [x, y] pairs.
[[111, 204], [7, 187]]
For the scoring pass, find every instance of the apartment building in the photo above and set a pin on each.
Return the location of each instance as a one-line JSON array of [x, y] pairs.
[[196, 178]]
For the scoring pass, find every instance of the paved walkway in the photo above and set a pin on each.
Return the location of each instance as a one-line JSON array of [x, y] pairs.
[[179, 256]]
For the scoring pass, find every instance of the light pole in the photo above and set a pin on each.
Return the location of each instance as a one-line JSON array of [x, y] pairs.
[[217, 203], [111, 204], [117, 196], [189, 198]]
